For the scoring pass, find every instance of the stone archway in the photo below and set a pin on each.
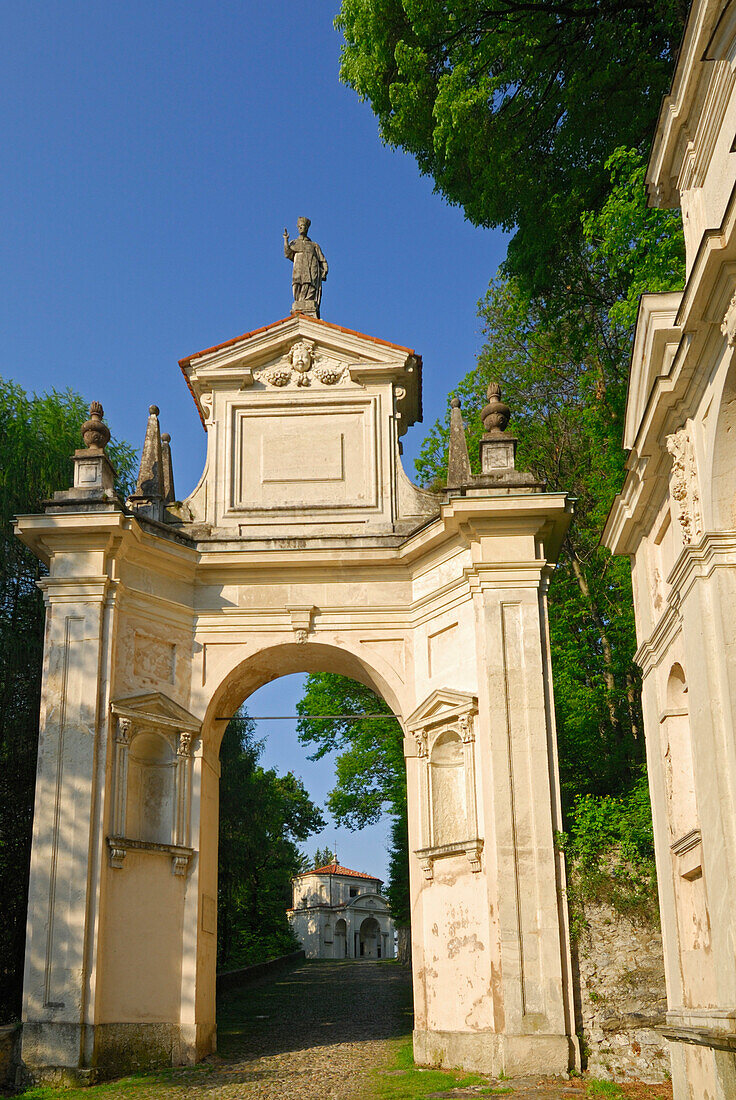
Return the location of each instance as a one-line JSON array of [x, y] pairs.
[[369, 938], [341, 940], [304, 547]]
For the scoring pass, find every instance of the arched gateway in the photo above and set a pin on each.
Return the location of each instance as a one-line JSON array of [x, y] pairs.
[[304, 547]]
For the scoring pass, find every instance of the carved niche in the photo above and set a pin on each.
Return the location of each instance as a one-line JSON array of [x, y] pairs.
[[154, 742], [443, 730]]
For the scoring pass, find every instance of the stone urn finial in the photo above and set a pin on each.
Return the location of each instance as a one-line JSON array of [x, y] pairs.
[[495, 415], [95, 434]]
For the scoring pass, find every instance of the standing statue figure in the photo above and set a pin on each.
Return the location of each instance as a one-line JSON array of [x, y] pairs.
[[310, 269]]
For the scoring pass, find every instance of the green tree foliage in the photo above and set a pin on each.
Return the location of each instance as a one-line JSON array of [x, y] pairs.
[[610, 854], [564, 374], [641, 249], [370, 773], [38, 435], [262, 817], [513, 106], [322, 858]]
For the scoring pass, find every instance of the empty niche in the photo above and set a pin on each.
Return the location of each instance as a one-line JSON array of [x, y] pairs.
[[678, 760], [151, 789], [447, 790]]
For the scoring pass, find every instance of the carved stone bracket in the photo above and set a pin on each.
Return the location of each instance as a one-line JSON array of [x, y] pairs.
[[684, 485], [301, 621]]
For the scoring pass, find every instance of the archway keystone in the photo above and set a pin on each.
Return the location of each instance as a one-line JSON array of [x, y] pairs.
[[304, 547]]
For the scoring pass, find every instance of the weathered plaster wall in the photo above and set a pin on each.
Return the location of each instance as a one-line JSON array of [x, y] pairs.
[[621, 996]]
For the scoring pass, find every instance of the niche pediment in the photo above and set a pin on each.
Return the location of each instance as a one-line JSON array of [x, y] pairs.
[[155, 708], [442, 706]]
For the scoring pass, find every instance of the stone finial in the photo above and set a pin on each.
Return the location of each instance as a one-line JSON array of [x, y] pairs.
[[95, 434], [150, 484], [168, 469], [458, 461], [495, 415]]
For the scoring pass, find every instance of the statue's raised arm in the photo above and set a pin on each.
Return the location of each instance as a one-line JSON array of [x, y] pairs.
[[309, 272]]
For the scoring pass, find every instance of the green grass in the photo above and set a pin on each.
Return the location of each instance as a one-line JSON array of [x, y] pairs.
[[405, 1081], [142, 1084], [605, 1090]]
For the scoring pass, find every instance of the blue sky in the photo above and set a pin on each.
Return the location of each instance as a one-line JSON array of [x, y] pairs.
[[153, 153]]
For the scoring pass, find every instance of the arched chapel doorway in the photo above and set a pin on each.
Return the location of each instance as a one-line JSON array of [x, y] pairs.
[[305, 547], [341, 939], [370, 939]]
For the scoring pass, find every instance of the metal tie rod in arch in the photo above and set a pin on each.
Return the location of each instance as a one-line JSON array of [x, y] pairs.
[[304, 717]]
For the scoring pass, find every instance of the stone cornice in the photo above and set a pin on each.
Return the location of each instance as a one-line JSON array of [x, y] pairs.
[[651, 651], [698, 560], [677, 122]]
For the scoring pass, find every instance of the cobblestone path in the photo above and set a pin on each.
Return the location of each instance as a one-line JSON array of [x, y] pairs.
[[319, 1032], [315, 1033]]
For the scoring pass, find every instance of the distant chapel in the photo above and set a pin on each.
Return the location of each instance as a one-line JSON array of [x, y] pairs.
[[340, 914]]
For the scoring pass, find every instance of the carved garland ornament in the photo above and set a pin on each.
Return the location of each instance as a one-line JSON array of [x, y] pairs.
[[301, 365], [684, 485]]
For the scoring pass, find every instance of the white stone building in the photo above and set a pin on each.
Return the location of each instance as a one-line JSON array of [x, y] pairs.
[[340, 914], [675, 519]]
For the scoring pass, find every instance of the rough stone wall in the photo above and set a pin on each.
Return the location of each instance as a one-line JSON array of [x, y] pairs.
[[621, 996]]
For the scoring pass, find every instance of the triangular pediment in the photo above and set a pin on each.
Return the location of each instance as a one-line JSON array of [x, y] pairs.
[[155, 707], [246, 361], [441, 705]]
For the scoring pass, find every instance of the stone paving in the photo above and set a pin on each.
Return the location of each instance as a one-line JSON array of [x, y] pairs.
[[320, 1032]]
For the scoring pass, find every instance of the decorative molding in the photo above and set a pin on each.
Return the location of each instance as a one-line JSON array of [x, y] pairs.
[[684, 485], [330, 373], [119, 846], [472, 849], [685, 843]]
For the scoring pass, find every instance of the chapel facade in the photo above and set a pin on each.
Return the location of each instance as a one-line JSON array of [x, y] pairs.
[[338, 913], [675, 518]]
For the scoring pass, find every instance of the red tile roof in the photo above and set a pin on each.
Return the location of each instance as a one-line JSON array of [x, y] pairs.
[[337, 869], [317, 321]]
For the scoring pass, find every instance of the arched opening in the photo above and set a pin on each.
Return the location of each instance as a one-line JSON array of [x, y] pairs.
[[341, 939], [328, 934], [370, 939]]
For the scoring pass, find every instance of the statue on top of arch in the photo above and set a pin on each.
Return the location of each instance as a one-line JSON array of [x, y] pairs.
[[310, 269]]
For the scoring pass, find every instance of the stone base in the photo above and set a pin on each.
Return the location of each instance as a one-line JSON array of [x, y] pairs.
[[54, 1052], [306, 306], [488, 1052]]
